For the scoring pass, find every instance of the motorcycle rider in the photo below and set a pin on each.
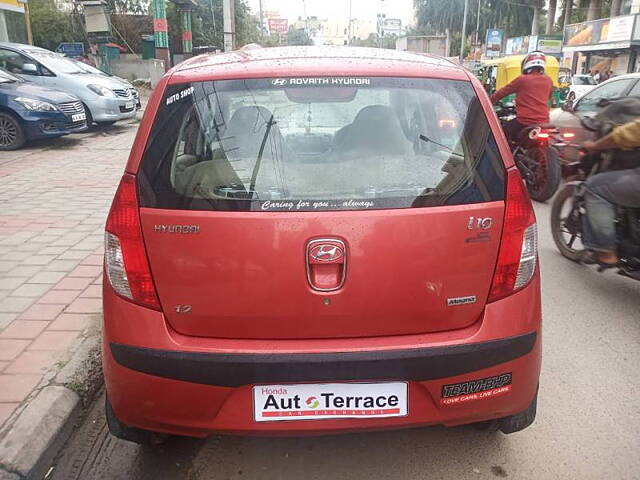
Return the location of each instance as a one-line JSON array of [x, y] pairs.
[[533, 90], [608, 189]]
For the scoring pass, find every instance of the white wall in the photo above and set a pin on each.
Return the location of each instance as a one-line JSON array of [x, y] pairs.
[[133, 67]]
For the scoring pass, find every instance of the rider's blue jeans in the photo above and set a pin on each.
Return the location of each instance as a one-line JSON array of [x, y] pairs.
[[599, 229], [604, 192]]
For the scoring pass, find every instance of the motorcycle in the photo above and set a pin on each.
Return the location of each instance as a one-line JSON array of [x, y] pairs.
[[568, 214], [535, 156]]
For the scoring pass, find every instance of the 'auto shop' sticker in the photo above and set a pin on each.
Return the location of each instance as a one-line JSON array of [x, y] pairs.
[[472, 390]]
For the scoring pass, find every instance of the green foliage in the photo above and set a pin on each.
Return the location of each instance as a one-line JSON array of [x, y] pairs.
[[51, 26], [207, 32], [298, 37], [435, 16]]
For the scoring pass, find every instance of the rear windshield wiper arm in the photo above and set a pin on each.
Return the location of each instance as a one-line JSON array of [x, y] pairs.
[[254, 174], [424, 138]]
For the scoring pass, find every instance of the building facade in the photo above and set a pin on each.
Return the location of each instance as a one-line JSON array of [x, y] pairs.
[[12, 27]]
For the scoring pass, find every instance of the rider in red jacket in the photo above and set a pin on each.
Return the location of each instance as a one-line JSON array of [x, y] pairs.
[[533, 90]]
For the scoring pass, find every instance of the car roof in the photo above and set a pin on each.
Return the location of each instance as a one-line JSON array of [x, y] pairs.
[[315, 61], [24, 47]]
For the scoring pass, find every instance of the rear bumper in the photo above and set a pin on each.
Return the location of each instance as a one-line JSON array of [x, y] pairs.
[[158, 380], [235, 370]]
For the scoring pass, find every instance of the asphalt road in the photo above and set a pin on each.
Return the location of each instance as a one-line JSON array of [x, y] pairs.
[[588, 424]]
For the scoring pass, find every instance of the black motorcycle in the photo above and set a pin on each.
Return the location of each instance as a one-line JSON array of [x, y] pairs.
[[568, 214], [535, 156]]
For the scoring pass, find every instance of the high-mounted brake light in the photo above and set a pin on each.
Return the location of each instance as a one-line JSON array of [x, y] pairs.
[[518, 254], [125, 256]]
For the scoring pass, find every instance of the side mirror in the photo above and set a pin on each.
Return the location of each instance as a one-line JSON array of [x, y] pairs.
[[29, 69]]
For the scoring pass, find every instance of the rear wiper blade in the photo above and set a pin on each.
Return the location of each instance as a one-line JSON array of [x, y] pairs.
[[424, 138]]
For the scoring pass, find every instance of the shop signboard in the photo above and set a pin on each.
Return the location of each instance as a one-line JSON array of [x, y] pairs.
[[620, 28], [605, 30], [494, 42], [552, 45], [278, 25]]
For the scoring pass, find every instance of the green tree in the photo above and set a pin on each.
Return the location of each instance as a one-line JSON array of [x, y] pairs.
[[50, 26], [207, 24], [298, 36], [436, 16]]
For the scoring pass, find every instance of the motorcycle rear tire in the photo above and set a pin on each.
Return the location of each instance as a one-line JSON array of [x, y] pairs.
[[564, 195], [552, 176]]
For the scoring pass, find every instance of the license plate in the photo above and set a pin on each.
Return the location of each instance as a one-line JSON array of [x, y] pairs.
[[128, 105], [329, 400], [78, 116]]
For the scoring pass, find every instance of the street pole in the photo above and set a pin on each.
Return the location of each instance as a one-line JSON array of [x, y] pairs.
[[229, 25], [261, 18], [160, 32], [27, 22], [478, 24], [349, 39], [464, 30], [187, 34]]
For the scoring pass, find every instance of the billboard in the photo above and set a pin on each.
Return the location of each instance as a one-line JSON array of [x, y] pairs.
[[605, 30], [493, 43], [278, 25], [517, 45]]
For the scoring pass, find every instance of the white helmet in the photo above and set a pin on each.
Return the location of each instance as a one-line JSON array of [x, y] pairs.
[[532, 60]]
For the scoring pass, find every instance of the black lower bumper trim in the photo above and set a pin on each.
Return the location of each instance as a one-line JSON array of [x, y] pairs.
[[236, 369]]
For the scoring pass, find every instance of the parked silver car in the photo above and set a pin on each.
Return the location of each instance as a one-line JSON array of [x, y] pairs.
[[125, 82], [105, 99]]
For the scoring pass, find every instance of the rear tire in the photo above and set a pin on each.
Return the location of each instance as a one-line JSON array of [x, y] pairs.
[[11, 133], [558, 224], [548, 173], [131, 434]]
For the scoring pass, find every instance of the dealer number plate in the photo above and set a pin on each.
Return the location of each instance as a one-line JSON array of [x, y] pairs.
[[329, 400], [78, 116]]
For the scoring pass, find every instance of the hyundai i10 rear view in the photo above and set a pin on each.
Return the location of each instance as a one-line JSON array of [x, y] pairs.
[[319, 240]]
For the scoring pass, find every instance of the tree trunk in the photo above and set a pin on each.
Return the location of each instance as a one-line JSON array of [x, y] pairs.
[[536, 19], [568, 10], [615, 8], [594, 10], [551, 16]]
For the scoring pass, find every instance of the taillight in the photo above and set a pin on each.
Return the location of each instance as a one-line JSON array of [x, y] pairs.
[[125, 256], [518, 254], [568, 135]]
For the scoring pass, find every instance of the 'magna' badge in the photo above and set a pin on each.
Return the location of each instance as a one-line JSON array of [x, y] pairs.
[[452, 302]]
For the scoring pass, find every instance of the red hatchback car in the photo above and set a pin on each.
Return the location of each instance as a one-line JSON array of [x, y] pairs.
[[319, 240]]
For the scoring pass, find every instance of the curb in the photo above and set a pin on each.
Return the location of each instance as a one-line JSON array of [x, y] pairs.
[[38, 432]]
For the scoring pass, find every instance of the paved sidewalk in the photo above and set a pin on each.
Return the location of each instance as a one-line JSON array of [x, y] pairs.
[[53, 203]]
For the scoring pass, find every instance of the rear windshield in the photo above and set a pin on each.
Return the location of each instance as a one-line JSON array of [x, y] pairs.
[[328, 143]]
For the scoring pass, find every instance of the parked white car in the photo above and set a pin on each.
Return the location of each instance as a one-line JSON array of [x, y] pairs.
[[580, 84], [105, 99]]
